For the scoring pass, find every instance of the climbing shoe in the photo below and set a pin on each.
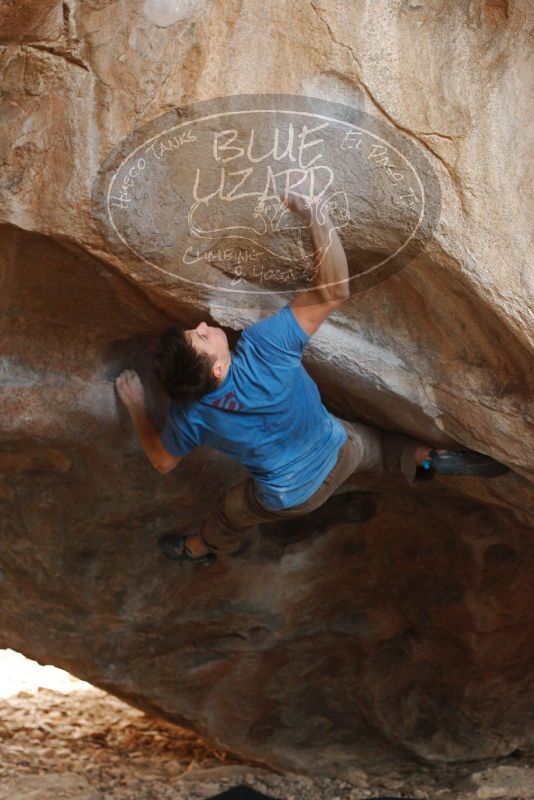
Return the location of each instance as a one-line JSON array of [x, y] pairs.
[[174, 547], [464, 462]]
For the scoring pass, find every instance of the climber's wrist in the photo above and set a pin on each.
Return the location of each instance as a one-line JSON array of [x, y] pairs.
[[138, 413]]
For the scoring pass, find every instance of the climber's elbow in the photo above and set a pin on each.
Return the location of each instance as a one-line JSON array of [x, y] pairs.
[[166, 464]]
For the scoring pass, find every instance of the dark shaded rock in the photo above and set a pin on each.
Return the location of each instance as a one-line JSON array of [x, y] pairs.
[[241, 793]]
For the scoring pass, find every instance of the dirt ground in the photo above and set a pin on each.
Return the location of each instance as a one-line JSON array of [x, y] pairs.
[[87, 745], [75, 742]]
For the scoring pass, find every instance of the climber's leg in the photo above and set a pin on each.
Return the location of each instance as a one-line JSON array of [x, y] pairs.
[[236, 512], [232, 519], [367, 449], [375, 451], [403, 454]]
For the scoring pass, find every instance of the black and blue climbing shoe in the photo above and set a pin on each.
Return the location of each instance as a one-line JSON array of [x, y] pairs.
[[174, 547], [464, 462]]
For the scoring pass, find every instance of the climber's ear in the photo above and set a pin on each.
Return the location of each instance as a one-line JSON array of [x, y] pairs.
[[217, 370]]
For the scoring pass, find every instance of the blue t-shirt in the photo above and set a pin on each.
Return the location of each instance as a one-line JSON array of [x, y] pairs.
[[267, 415]]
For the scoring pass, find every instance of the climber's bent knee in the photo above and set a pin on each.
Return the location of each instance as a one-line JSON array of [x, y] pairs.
[[233, 518]]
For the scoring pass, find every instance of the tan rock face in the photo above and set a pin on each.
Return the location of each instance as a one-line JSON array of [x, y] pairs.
[[394, 622]]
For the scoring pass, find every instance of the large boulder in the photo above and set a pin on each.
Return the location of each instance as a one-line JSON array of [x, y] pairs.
[[393, 624]]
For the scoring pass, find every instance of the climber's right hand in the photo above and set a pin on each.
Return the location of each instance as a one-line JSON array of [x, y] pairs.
[[130, 389]]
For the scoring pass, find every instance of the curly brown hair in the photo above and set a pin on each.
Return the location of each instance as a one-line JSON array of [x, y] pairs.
[[184, 374]]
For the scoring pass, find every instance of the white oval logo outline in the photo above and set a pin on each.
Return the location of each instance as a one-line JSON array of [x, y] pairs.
[[312, 114]]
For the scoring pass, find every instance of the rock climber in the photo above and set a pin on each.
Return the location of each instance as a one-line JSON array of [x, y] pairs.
[[259, 405]]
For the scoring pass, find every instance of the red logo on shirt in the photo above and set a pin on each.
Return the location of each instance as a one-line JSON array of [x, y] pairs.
[[229, 401]]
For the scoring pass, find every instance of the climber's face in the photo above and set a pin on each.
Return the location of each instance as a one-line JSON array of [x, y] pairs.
[[212, 342]]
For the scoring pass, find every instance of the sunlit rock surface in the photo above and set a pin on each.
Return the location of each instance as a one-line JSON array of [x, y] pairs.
[[391, 624]]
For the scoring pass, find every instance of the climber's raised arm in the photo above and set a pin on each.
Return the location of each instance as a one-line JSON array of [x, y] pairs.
[[131, 392], [330, 287]]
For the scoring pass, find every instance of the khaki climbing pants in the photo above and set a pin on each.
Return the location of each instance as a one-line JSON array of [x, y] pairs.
[[367, 450]]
